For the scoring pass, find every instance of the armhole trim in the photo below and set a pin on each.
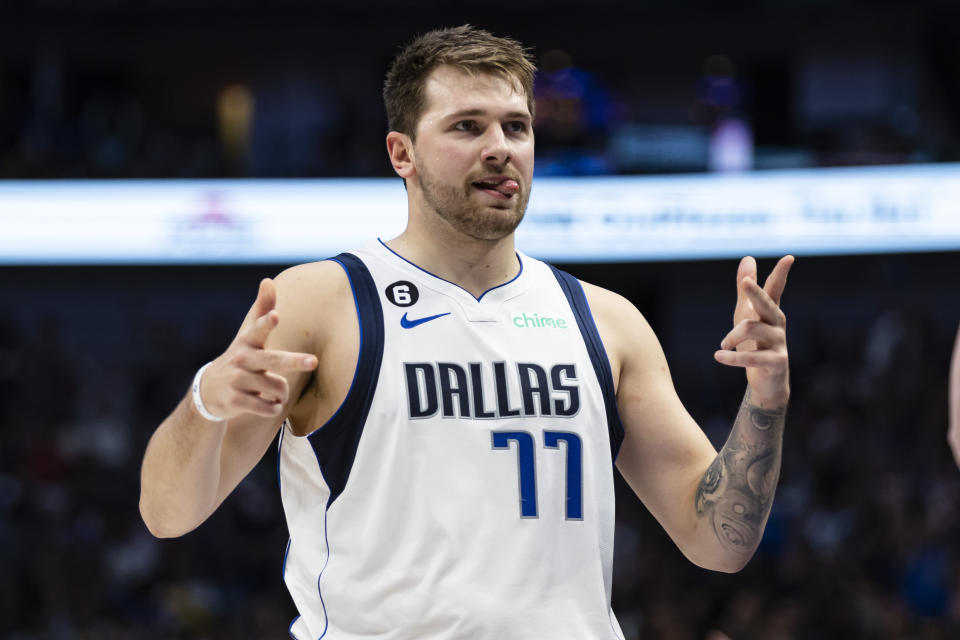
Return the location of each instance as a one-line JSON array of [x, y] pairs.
[[573, 290], [335, 443]]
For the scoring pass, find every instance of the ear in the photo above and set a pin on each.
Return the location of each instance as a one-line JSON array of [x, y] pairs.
[[400, 150]]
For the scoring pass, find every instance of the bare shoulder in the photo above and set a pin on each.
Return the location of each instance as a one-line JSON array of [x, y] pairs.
[[321, 318], [626, 334], [614, 314], [324, 278], [310, 299], [608, 305]]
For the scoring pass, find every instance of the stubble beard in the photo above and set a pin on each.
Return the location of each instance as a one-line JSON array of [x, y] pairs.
[[470, 218]]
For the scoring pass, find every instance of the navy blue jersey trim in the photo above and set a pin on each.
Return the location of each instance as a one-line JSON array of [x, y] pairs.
[[279, 457], [335, 444], [290, 628], [326, 541], [433, 275], [598, 355], [283, 571]]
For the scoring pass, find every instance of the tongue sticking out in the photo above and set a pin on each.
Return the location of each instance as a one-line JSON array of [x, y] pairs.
[[506, 187]]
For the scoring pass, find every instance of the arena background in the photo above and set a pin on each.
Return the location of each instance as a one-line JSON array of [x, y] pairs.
[[861, 542]]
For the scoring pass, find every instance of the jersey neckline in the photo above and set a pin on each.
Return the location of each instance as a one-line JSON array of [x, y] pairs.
[[456, 286]]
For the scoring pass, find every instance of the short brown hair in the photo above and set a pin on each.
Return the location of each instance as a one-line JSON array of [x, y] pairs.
[[466, 48]]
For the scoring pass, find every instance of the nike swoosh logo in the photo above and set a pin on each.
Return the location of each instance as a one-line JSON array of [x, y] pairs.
[[410, 324]]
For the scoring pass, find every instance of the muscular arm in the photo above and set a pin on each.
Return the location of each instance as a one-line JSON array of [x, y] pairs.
[[192, 464], [180, 474], [736, 492], [713, 505]]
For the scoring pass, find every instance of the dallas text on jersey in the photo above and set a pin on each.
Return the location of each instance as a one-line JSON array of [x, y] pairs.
[[458, 390]]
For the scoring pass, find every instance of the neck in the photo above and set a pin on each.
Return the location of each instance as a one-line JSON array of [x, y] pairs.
[[476, 265]]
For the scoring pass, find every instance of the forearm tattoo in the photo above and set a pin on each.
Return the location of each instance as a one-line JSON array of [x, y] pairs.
[[737, 490]]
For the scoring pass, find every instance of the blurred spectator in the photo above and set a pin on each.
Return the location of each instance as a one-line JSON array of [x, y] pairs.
[[860, 542], [637, 93]]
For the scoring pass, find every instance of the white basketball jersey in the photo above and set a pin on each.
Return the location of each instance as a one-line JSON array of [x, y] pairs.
[[464, 489]]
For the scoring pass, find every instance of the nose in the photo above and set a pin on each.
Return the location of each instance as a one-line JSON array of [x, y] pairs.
[[496, 149]]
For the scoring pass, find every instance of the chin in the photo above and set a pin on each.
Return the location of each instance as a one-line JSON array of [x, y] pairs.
[[495, 227]]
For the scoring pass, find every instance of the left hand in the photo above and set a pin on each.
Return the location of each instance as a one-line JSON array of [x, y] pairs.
[[759, 334]]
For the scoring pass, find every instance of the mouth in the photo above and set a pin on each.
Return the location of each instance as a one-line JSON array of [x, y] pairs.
[[500, 187]]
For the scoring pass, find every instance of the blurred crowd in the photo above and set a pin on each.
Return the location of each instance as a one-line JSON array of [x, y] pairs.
[[80, 401], [861, 539], [305, 124], [92, 91], [861, 542]]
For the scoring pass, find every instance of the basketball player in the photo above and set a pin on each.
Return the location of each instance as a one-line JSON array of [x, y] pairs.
[[450, 410], [953, 435]]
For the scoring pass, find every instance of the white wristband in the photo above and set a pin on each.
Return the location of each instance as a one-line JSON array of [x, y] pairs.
[[198, 401]]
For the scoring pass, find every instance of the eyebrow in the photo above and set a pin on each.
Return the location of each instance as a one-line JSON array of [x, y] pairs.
[[480, 112]]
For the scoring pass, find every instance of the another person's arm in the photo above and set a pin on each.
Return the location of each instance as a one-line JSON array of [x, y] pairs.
[[192, 464], [953, 434], [713, 505]]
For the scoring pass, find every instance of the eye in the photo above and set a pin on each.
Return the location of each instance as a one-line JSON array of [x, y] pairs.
[[516, 126], [465, 125]]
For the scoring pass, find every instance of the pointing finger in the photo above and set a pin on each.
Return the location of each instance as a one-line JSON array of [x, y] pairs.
[[763, 304], [761, 335], [746, 269], [266, 298], [260, 329], [263, 308], [766, 359], [276, 361], [777, 280]]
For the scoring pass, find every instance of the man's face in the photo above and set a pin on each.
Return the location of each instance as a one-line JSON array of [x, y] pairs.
[[474, 152]]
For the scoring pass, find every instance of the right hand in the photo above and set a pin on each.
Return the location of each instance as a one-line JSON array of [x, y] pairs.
[[247, 378]]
